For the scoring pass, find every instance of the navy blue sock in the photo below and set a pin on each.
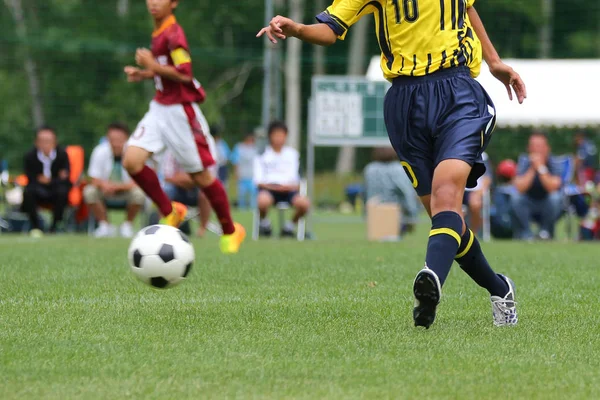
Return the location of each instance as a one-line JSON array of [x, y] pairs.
[[444, 240], [471, 259]]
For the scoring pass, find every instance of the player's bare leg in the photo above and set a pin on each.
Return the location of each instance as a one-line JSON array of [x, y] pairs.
[[134, 161], [447, 225], [449, 239], [233, 233]]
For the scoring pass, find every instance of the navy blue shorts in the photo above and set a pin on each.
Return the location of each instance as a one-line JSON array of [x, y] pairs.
[[282, 197], [445, 115]]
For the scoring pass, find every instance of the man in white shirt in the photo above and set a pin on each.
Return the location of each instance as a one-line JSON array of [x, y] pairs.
[[277, 176], [110, 182]]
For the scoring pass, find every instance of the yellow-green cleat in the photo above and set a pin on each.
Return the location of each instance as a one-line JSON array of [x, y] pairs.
[[230, 244], [176, 217]]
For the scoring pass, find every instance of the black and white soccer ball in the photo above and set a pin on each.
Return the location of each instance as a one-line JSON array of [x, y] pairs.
[[161, 256]]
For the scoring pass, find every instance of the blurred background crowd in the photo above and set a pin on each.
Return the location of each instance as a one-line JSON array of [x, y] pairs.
[[67, 113]]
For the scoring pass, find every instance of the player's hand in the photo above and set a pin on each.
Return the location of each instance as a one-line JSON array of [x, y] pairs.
[[511, 80], [144, 58], [134, 74], [280, 27]]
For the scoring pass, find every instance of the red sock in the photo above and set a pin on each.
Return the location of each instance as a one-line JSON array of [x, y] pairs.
[[218, 200], [148, 181]]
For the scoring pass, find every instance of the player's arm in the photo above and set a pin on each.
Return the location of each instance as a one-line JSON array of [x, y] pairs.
[[333, 24], [504, 73], [145, 59], [282, 28], [135, 74]]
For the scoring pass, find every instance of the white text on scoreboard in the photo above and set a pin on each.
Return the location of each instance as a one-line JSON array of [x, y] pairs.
[[338, 114]]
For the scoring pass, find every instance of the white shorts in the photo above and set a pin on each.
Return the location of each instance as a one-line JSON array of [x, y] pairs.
[[181, 128]]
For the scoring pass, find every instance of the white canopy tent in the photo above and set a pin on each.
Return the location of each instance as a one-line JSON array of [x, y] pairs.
[[563, 93]]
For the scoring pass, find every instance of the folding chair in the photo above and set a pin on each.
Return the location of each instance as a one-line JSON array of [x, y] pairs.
[[281, 208], [568, 189], [77, 166]]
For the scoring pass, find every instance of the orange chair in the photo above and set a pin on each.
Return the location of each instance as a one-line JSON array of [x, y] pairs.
[[77, 164]]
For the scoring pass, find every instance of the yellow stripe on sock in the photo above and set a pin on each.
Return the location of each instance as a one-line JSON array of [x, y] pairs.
[[466, 250], [445, 231]]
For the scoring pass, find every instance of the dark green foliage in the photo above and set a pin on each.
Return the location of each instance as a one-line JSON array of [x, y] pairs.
[[81, 46]]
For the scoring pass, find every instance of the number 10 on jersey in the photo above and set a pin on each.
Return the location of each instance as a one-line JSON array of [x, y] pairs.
[[410, 10]]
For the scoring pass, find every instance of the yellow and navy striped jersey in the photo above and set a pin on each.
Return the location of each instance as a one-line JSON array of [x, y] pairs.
[[416, 37]]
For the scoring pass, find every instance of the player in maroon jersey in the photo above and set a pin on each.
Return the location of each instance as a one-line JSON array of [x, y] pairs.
[[175, 121]]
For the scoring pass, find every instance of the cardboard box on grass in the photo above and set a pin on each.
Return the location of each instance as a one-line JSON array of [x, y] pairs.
[[383, 221]]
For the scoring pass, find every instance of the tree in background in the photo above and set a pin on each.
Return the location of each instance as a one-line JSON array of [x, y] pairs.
[[62, 62]]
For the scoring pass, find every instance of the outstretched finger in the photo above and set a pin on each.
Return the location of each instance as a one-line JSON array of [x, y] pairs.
[[519, 92], [508, 89], [519, 87], [270, 35]]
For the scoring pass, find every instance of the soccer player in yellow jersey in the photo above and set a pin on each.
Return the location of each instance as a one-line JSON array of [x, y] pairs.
[[438, 118]]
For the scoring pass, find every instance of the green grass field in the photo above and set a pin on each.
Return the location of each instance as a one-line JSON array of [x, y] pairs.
[[324, 319]]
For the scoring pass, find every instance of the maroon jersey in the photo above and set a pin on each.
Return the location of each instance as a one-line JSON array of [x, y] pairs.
[[170, 47]]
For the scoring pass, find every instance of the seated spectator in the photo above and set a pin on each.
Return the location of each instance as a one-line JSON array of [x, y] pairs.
[[386, 179], [276, 174], [179, 186], [47, 169], [473, 198], [111, 183], [242, 158], [538, 184], [586, 160]]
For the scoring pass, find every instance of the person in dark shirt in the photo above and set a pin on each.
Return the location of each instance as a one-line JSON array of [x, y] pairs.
[[47, 170], [537, 194]]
